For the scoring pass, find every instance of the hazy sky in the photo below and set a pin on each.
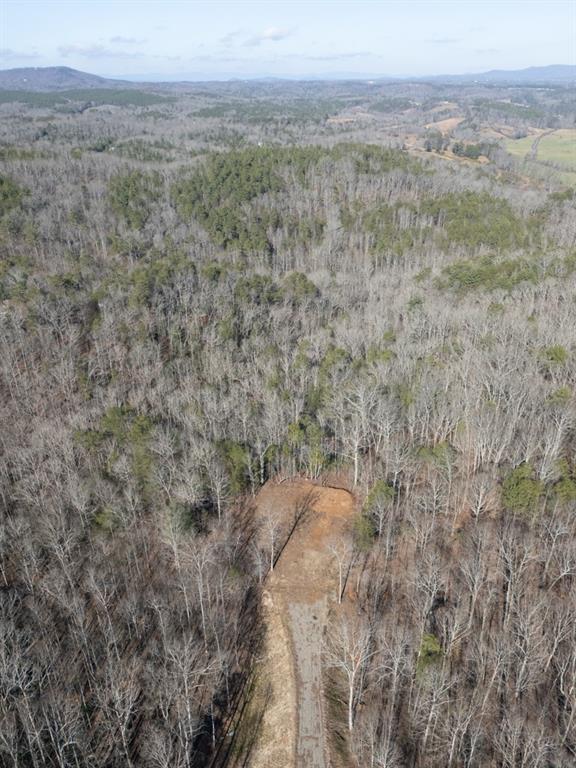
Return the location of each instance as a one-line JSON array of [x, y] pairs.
[[235, 38]]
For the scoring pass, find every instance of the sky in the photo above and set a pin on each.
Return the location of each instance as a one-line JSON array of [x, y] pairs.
[[323, 38]]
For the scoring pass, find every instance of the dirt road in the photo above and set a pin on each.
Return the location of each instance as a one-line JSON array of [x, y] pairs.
[[306, 622], [533, 154], [304, 582]]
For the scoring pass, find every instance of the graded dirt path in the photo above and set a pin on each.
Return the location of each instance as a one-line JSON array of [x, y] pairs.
[[533, 154], [300, 589]]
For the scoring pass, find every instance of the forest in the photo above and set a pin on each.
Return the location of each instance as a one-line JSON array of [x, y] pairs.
[[206, 291]]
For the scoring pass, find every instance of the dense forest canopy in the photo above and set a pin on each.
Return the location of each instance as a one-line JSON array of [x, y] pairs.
[[205, 290]]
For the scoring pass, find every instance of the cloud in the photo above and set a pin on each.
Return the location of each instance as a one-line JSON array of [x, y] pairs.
[[7, 54], [245, 39], [339, 56], [96, 51], [232, 38], [443, 40], [118, 39], [486, 51], [269, 35]]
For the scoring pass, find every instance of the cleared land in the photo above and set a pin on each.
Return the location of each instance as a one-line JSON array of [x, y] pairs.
[[558, 147], [445, 126], [298, 595], [546, 152], [521, 147]]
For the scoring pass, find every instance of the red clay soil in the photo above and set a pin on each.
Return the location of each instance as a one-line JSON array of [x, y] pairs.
[[301, 587]]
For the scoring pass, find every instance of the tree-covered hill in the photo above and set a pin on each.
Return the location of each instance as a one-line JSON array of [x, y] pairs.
[[194, 305]]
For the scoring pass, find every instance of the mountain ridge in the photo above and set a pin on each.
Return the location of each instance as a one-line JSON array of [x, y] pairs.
[[63, 78], [54, 79]]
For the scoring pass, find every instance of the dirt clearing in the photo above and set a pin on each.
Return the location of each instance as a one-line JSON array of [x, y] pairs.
[[298, 594], [445, 126]]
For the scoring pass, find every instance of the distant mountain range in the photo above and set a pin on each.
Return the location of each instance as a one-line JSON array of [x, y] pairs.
[[54, 79], [555, 74], [65, 78]]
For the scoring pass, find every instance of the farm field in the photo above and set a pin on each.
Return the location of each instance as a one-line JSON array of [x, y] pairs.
[[559, 147], [520, 147], [554, 147]]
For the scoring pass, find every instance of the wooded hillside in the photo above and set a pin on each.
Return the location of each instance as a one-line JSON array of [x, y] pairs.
[[194, 303]]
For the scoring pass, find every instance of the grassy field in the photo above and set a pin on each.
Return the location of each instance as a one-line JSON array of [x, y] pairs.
[[520, 147], [559, 147]]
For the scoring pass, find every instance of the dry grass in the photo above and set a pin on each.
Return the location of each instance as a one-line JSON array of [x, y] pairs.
[[445, 126]]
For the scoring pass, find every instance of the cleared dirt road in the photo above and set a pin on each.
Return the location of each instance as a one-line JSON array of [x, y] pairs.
[[304, 582], [306, 623]]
